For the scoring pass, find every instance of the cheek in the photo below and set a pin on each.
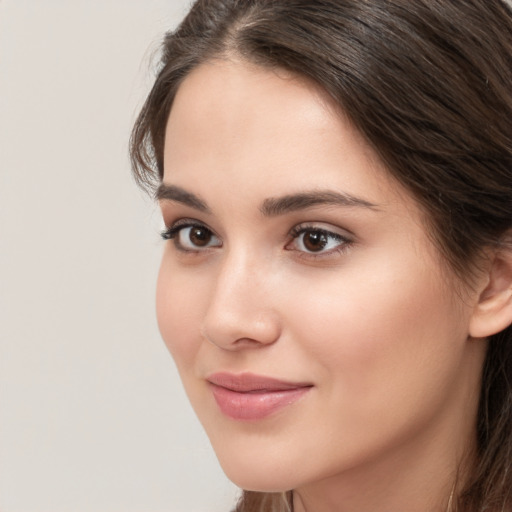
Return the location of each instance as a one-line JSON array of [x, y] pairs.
[[178, 308], [383, 334]]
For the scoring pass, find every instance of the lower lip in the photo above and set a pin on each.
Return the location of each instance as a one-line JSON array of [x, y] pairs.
[[255, 405]]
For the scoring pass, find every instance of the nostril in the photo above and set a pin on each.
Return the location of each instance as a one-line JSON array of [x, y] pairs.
[[234, 344], [238, 333]]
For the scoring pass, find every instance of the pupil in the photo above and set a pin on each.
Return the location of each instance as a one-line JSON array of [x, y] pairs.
[[315, 241], [200, 236]]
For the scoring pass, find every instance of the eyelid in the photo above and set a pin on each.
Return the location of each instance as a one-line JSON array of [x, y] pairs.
[[322, 226], [173, 228], [346, 239], [173, 231]]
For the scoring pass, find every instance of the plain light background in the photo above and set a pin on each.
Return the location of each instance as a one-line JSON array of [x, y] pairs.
[[92, 414]]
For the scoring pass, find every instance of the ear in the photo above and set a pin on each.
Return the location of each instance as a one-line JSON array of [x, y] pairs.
[[493, 311]]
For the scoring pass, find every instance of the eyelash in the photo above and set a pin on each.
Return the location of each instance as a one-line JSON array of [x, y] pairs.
[[295, 233], [343, 242], [173, 232]]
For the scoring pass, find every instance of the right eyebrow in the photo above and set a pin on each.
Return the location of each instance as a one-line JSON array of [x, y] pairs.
[[179, 195]]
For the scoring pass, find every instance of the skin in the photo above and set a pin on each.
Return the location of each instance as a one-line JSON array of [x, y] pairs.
[[373, 322]]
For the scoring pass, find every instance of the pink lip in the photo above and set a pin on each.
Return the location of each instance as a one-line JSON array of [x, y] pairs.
[[252, 397]]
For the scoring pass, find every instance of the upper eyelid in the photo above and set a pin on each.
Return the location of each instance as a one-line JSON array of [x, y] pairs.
[[322, 226], [343, 244], [300, 228], [187, 222], [172, 228], [298, 231]]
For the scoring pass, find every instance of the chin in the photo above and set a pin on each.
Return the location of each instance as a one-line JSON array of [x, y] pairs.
[[263, 480], [262, 474]]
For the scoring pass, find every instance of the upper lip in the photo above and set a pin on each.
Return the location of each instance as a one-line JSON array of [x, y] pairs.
[[247, 382]]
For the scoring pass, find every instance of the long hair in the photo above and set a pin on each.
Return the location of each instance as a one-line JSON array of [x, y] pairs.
[[428, 84]]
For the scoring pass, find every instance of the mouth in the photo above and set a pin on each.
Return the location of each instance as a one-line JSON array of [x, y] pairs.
[[252, 397]]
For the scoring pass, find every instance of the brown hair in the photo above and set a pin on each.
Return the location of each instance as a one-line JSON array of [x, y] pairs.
[[428, 83]]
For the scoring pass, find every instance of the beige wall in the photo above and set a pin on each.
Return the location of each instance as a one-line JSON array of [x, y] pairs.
[[92, 415]]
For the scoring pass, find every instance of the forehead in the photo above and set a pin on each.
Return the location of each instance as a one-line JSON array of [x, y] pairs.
[[252, 129], [248, 89]]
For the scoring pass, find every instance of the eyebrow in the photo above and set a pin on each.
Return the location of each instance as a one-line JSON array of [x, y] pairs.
[[180, 195], [272, 206]]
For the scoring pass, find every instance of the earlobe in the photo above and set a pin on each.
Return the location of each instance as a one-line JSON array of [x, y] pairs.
[[493, 311]]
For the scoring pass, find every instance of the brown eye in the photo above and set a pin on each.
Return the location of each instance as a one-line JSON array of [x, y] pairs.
[[200, 236], [193, 237], [314, 241]]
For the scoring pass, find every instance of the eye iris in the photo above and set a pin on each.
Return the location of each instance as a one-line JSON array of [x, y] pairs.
[[200, 236], [315, 240]]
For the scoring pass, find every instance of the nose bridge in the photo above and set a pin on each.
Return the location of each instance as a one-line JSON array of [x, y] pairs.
[[240, 310]]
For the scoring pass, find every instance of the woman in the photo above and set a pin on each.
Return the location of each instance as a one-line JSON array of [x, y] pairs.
[[335, 178]]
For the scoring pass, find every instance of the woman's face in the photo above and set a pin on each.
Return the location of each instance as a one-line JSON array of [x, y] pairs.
[[310, 318]]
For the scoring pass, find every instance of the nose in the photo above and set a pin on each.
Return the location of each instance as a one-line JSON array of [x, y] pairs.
[[240, 312]]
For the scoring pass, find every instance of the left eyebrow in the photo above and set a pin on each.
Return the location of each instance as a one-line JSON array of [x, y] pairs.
[[275, 206], [180, 195]]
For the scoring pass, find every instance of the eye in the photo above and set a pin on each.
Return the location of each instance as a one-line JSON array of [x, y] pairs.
[[316, 240], [188, 236]]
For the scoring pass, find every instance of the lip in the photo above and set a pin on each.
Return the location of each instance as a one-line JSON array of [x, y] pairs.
[[247, 396]]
